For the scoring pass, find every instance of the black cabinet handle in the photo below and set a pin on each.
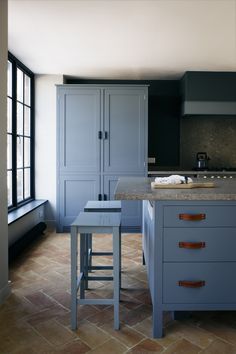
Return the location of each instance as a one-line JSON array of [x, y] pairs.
[[105, 135], [99, 196], [100, 134], [105, 197]]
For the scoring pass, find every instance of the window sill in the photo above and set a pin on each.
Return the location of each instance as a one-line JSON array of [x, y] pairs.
[[17, 214]]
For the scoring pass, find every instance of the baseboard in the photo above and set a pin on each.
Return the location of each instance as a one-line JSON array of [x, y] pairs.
[[4, 293]]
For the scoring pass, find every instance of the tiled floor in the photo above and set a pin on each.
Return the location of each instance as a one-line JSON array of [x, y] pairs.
[[36, 317]]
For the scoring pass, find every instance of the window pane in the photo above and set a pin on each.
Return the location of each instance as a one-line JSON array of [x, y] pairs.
[[20, 118], [9, 187], [9, 78], [27, 152], [27, 183], [9, 151], [19, 85], [9, 115], [19, 185], [27, 121], [27, 90], [19, 144]]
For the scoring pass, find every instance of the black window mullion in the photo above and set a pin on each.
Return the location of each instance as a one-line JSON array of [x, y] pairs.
[[32, 140], [17, 64], [23, 162], [14, 129]]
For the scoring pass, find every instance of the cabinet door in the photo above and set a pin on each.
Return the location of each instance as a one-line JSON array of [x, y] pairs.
[[131, 213], [79, 123], [74, 193], [125, 129]]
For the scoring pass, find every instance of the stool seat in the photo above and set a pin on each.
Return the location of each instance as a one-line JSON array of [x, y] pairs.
[[85, 224], [103, 205], [99, 220]]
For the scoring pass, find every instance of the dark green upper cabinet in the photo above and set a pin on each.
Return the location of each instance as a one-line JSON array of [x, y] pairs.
[[209, 93]]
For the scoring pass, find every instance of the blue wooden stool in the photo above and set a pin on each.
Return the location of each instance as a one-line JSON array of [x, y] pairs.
[[85, 224], [94, 206]]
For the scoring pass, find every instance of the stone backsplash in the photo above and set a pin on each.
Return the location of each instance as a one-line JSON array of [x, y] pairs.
[[214, 135]]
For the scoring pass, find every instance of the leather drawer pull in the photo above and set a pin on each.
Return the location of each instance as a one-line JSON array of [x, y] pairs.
[[192, 284], [192, 245], [192, 217]]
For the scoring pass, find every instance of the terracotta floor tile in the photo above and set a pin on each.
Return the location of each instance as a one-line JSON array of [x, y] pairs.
[[111, 346], [129, 302], [21, 336], [54, 332], [40, 300], [195, 335], [219, 347], [138, 315], [147, 346], [92, 335], [75, 347], [182, 346], [45, 315], [101, 317], [62, 297], [227, 333], [126, 335]]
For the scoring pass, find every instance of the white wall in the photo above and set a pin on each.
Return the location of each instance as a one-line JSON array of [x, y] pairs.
[[45, 140], [4, 288]]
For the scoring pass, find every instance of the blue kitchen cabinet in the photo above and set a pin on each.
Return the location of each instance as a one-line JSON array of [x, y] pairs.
[[189, 249], [125, 129], [101, 131], [74, 191], [79, 123]]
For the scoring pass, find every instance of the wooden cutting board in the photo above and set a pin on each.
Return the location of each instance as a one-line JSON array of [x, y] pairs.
[[183, 185]]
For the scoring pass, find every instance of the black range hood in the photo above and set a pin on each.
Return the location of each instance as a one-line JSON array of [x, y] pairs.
[[209, 93]]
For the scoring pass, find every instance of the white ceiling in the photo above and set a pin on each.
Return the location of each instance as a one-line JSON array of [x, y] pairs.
[[139, 39]]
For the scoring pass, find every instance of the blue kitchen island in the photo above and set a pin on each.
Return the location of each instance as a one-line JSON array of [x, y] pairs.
[[189, 245]]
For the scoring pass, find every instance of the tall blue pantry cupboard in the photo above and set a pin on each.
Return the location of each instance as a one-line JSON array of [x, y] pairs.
[[101, 135]]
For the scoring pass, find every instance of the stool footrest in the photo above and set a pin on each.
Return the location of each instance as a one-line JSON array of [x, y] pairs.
[[99, 278], [101, 253], [95, 301], [100, 268]]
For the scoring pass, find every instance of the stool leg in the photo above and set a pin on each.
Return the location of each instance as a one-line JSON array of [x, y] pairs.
[[90, 249], [86, 259], [120, 248], [116, 275], [82, 263], [74, 253]]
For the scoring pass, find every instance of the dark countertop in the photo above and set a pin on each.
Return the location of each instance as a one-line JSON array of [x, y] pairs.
[[139, 188]]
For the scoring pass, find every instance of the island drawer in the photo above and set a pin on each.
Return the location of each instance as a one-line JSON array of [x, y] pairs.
[[199, 216], [200, 283], [199, 244]]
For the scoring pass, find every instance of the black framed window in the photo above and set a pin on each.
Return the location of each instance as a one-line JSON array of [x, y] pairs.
[[20, 133]]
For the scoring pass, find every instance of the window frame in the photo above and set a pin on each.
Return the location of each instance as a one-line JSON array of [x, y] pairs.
[[16, 63]]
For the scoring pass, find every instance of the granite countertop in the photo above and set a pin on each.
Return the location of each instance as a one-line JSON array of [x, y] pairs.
[[139, 188]]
